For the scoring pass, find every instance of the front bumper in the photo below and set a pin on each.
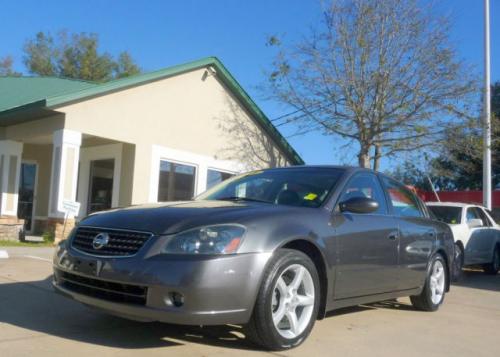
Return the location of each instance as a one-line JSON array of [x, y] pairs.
[[216, 290]]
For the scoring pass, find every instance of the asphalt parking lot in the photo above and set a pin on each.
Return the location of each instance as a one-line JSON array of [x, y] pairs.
[[34, 321]]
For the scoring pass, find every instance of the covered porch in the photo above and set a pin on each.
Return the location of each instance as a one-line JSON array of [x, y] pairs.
[[41, 167]]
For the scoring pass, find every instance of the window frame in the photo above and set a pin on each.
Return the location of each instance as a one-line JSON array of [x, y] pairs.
[[177, 162], [210, 168], [382, 188], [419, 205], [480, 215]]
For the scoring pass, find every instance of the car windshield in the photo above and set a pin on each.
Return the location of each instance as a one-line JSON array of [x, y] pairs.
[[446, 214], [303, 187]]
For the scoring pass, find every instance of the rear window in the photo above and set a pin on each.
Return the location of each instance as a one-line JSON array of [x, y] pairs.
[[447, 214]]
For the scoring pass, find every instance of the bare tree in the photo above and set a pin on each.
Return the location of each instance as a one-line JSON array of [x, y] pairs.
[[248, 143], [381, 74]]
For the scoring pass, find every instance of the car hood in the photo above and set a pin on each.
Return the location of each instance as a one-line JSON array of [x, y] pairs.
[[173, 217]]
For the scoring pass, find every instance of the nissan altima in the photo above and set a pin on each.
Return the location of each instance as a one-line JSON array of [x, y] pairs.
[[272, 250]]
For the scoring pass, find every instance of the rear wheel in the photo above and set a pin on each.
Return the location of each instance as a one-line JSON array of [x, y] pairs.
[[494, 266], [287, 303], [435, 286]]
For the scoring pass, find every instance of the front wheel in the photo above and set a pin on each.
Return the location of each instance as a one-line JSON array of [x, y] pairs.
[[287, 303], [435, 286], [494, 266]]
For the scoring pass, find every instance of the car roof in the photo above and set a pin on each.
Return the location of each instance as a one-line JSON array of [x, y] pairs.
[[453, 204]]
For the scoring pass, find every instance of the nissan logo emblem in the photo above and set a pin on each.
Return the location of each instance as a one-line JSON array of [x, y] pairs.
[[100, 240]]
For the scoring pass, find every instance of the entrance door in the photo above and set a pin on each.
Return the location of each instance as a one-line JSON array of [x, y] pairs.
[[101, 185], [27, 192]]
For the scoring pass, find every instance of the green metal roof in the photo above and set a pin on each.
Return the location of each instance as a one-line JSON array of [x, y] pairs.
[[25, 93], [19, 91]]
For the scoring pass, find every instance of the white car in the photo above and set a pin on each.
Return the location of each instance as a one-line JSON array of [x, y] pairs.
[[476, 235]]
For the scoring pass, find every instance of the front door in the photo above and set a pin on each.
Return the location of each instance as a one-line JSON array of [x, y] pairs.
[[101, 185], [27, 191], [367, 244]]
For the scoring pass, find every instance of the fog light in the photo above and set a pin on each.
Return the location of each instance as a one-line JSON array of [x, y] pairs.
[[177, 299]]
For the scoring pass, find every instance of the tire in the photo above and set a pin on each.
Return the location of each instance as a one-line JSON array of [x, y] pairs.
[[279, 298], [432, 296], [458, 262], [493, 267]]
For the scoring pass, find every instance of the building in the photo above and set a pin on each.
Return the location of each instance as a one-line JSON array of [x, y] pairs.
[[159, 136]]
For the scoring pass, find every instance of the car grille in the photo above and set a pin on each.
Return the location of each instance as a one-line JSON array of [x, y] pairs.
[[106, 290], [121, 242]]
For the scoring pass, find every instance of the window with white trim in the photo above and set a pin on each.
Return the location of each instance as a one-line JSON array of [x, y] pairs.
[[177, 181], [214, 177]]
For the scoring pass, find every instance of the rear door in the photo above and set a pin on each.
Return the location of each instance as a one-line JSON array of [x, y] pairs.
[[367, 244], [416, 235]]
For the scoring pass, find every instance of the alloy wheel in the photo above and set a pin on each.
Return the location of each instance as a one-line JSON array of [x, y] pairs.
[[437, 282], [293, 301]]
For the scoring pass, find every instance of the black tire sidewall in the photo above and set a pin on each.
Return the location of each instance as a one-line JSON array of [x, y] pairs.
[[284, 259], [458, 266]]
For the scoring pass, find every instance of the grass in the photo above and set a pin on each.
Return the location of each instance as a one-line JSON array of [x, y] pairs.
[[7, 243]]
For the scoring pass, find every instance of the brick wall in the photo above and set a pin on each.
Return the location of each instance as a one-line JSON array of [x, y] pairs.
[[11, 228]]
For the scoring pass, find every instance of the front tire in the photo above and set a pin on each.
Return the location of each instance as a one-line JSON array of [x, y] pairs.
[[435, 286], [288, 301], [494, 266]]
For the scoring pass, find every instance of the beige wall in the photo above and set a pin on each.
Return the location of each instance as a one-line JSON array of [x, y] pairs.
[[191, 112], [42, 155], [39, 130]]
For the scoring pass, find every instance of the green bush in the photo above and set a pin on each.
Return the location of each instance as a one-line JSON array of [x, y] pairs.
[[48, 237]]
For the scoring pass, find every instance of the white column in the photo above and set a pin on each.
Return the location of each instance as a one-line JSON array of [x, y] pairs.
[[201, 178], [10, 169], [65, 157]]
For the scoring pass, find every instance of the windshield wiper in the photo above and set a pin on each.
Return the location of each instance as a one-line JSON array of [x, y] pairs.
[[239, 198]]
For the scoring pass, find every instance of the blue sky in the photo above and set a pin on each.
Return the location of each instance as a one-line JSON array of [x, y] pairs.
[[163, 33]]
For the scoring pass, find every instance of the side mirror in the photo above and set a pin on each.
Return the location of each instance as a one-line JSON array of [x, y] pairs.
[[359, 205], [475, 222]]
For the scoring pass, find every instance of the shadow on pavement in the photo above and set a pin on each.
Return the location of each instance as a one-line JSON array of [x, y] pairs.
[[36, 307], [477, 279]]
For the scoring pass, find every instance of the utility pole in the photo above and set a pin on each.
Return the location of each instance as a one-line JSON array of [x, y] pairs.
[[487, 111]]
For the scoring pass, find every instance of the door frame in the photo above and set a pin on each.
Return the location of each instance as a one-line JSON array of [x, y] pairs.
[[92, 153], [35, 191]]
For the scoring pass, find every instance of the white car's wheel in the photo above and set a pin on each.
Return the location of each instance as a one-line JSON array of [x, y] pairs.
[[458, 262]]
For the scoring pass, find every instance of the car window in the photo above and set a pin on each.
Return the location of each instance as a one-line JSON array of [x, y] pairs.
[[473, 213], [446, 214], [303, 187], [404, 202], [365, 185], [482, 216]]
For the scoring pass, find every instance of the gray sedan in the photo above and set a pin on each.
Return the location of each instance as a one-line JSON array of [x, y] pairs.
[[273, 250]]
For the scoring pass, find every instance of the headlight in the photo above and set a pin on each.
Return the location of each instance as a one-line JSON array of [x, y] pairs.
[[218, 239]]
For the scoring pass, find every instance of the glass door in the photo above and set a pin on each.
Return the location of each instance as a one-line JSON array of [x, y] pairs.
[[27, 187], [101, 185]]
